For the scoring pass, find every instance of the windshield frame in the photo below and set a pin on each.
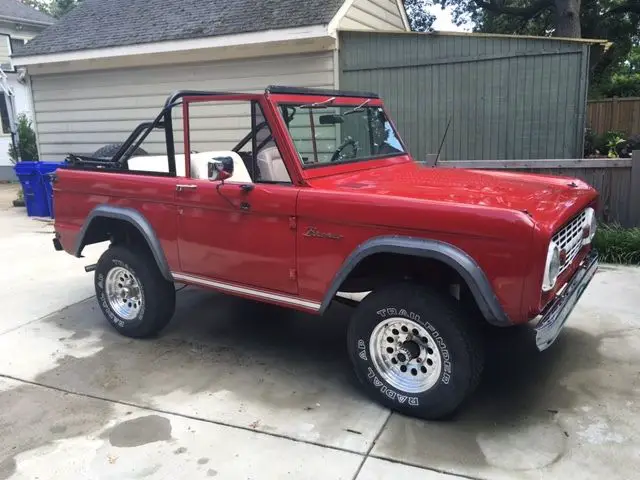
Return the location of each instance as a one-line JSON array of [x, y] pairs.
[[322, 102]]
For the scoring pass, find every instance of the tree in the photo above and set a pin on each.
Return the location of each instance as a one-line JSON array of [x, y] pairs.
[[420, 20], [55, 8], [617, 21], [41, 5], [62, 7], [27, 144]]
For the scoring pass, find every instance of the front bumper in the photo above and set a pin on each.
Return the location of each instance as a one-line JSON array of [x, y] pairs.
[[556, 314]]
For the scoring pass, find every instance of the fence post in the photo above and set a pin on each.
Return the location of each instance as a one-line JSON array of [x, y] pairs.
[[634, 192]]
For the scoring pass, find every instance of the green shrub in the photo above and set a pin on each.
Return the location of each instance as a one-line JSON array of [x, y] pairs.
[[590, 138], [27, 142], [619, 85], [600, 144], [616, 244]]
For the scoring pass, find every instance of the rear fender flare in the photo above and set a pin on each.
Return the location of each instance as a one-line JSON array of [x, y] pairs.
[[134, 218], [460, 261]]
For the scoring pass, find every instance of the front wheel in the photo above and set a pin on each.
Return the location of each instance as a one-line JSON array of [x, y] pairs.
[[415, 351], [132, 293]]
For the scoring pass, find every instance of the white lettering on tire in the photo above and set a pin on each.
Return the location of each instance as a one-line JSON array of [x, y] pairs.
[[442, 346], [103, 300], [362, 350], [389, 392]]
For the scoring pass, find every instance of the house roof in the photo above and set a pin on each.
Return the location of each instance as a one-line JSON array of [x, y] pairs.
[[16, 11], [101, 24]]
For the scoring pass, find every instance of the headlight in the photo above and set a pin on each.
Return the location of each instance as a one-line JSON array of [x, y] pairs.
[[591, 224], [551, 268]]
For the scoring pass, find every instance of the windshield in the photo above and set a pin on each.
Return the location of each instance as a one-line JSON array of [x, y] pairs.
[[326, 134]]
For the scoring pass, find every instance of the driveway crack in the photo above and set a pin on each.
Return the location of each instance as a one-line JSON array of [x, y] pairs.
[[182, 415], [373, 444]]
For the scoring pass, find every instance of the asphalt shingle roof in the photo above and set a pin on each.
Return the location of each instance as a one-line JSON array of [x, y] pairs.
[[18, 11], [112, 23]]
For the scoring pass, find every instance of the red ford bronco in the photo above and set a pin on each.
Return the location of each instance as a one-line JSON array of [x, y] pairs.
[[299, 197]]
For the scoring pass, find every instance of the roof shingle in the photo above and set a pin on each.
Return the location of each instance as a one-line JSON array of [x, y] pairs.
[[18, 11], [101, 24]]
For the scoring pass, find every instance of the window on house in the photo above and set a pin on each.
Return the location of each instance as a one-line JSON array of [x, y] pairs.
[[4, 115], [16, 44], [5, 52]]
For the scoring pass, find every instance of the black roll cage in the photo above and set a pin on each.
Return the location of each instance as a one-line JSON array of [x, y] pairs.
[[141, 132], [119, 161]]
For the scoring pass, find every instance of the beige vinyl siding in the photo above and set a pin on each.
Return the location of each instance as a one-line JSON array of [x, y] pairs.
[[373, 15], [5, 52], [82, 111]]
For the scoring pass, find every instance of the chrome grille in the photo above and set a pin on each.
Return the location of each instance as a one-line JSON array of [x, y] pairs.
[[570, 238]]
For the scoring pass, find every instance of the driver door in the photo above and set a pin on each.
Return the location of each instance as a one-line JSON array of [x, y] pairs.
[[240, 230]]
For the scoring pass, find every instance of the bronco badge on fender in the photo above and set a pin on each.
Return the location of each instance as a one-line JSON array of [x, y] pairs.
[[313, 232]]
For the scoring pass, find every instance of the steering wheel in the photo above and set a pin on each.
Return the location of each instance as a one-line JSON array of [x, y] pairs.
[[337, 155]]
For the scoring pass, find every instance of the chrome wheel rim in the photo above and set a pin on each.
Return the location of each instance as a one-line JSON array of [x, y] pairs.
[[124, 293], [405, 355]]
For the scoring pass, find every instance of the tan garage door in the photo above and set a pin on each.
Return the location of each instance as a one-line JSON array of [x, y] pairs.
[[82, 111]]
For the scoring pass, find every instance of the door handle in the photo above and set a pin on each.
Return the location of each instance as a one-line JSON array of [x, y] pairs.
[[244, 206], [181, 188]]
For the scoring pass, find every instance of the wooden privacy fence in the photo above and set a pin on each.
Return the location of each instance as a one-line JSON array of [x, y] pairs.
[[621, 114], [617, 180]]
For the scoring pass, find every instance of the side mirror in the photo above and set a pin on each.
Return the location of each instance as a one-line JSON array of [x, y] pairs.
[[220, 168]]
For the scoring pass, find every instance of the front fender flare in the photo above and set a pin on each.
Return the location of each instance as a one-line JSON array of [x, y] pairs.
[[134, 218], [457, 259]]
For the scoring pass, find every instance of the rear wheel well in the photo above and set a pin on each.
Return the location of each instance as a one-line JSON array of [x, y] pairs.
[[382, 269], [116, 231]]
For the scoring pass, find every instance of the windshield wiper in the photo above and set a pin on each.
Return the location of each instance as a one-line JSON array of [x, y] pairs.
[[324, 104], [357, 109]]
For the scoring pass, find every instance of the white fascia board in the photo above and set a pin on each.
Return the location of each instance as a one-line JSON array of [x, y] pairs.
[[403, 14], [282, 35], [337, 18]]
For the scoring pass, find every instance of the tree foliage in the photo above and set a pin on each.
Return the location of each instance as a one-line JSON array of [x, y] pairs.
[[617, 21], [55, 8], [420, 20], [27, 144]]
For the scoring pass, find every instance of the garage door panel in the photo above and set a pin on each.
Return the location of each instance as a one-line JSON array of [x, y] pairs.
[[256, 83], [97, 104], [223, 70], [96, 137], [128, 125], [138, 114], [59, 151], [80, 112]]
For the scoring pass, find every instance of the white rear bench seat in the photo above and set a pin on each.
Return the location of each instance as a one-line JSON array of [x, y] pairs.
[[199, 165]]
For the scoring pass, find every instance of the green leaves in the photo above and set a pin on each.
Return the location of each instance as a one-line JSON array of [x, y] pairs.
[[55, 8], [27, 144], [616, 244]]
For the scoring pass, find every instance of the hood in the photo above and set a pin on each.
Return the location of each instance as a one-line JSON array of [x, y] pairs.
[[547, 199]]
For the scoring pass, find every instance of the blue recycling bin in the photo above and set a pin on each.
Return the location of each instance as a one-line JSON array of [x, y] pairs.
[[35, 196], [46, 170]]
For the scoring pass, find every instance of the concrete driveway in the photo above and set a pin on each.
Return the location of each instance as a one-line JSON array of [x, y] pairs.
[[235, 389]]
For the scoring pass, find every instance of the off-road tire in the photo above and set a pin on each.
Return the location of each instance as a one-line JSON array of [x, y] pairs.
[[455, 335], [158, 295], [108, 151]]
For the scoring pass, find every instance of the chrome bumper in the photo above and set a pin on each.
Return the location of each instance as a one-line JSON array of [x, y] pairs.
[[556, 314]]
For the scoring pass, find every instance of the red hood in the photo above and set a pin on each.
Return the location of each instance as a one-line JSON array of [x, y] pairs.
[[549, 199]]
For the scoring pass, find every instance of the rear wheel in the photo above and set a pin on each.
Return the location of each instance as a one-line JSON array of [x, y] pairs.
[[415, 350], [132, 293]]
